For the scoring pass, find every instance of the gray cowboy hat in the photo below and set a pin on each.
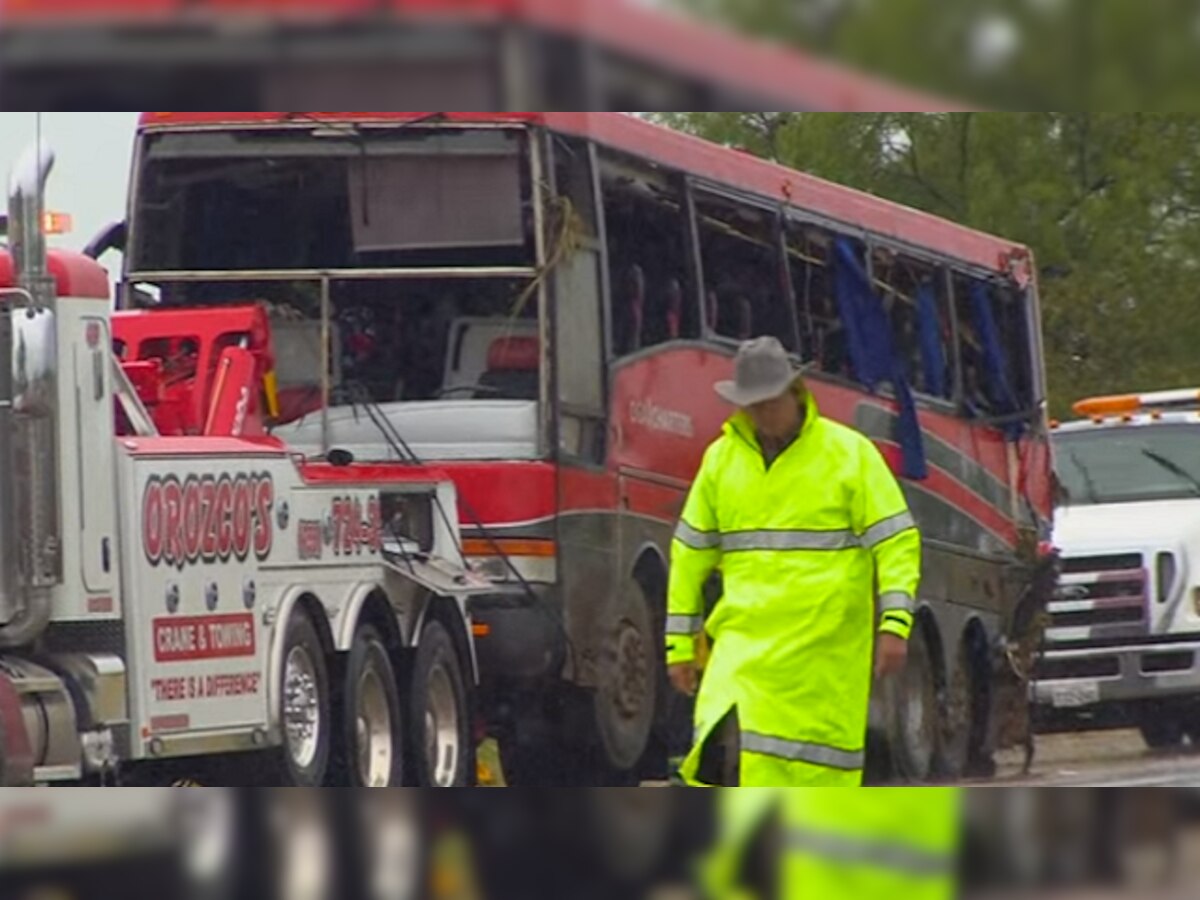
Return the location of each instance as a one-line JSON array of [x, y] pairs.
[[762, 371]]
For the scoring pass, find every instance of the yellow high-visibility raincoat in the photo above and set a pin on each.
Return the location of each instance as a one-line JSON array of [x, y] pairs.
[[804, 546], [880, 844]]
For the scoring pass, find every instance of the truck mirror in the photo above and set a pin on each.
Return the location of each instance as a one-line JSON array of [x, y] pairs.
[[110, 237]]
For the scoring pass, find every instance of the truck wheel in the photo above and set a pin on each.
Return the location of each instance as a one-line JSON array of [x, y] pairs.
[[304, 706], [626, 699], [915, 714], [1162, 732], [372, 730], [439, 715]]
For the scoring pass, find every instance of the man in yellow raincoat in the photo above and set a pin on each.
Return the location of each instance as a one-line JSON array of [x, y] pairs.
[[811, 533], [826, 844]]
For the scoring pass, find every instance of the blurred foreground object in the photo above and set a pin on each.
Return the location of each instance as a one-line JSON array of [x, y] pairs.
[[823, 843], [1004, 54], [410, 54]]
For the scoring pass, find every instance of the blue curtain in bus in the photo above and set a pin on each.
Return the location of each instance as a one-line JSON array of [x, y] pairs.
[[872, 350], [929, 332], [868, 337], [996, 384]]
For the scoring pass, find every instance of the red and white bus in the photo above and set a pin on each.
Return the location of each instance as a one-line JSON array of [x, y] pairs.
[[436, 54], [540, 304]]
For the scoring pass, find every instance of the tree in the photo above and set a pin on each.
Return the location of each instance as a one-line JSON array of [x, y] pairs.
[[1110, 204]]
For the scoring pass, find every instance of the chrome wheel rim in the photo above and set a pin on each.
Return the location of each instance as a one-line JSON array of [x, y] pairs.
[[301, 707], [373, 731], [442, 728]]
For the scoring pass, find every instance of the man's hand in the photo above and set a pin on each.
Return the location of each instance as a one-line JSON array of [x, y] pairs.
[[685, 677], [891, 655]]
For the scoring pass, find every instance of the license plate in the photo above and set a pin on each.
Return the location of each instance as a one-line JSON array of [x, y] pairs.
[[1069, 696]]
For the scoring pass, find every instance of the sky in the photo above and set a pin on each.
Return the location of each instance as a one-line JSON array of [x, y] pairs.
[[91, 173]]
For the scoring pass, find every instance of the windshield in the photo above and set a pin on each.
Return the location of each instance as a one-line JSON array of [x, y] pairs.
[[417, 242], [331, 196], [1126, 465]]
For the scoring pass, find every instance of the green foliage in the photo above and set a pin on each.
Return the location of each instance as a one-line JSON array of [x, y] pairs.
[[1004, 54], [1110, 204]]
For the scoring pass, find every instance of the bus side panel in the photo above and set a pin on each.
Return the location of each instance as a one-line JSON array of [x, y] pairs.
[[587, 553]]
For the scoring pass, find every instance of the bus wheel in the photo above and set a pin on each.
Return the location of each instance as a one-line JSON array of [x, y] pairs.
[[439, 716], [962, 721], [304, 706], [372, 718], [626, 698], [915, 715]]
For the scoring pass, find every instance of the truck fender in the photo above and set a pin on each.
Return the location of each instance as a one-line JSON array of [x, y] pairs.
[[352, 613]]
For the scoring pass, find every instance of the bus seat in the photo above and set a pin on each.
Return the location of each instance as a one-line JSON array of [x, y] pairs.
[[513, 366]]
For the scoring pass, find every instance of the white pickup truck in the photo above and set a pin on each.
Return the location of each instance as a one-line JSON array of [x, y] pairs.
[[1123, 640]]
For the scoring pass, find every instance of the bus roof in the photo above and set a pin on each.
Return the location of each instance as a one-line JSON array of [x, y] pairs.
[[792, 79], [713, 162]]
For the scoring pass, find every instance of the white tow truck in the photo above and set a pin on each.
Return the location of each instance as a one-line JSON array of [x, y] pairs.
[[199, 594], [1123, 638]]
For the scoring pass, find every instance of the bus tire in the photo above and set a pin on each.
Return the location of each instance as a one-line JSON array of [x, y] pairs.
[[964, 714], [372, 723], [305, 715], [626, 699], [915, 714], [439, 713]]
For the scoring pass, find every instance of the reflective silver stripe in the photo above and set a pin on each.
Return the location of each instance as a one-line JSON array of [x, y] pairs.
[[684, 624], [803, 751], [888, 529], [788, 540], [897, 601], [697, 539], [883, 854]]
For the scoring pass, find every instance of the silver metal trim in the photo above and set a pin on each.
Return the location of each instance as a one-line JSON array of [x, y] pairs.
[[365, 274]]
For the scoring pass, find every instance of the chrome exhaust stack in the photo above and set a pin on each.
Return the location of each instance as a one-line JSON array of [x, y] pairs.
[[29, 519]]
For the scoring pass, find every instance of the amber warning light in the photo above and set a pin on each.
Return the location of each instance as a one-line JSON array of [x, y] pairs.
[[56, 222], [1128, 404]]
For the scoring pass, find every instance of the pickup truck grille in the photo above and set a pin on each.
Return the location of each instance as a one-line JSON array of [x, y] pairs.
[[1100, 598]]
